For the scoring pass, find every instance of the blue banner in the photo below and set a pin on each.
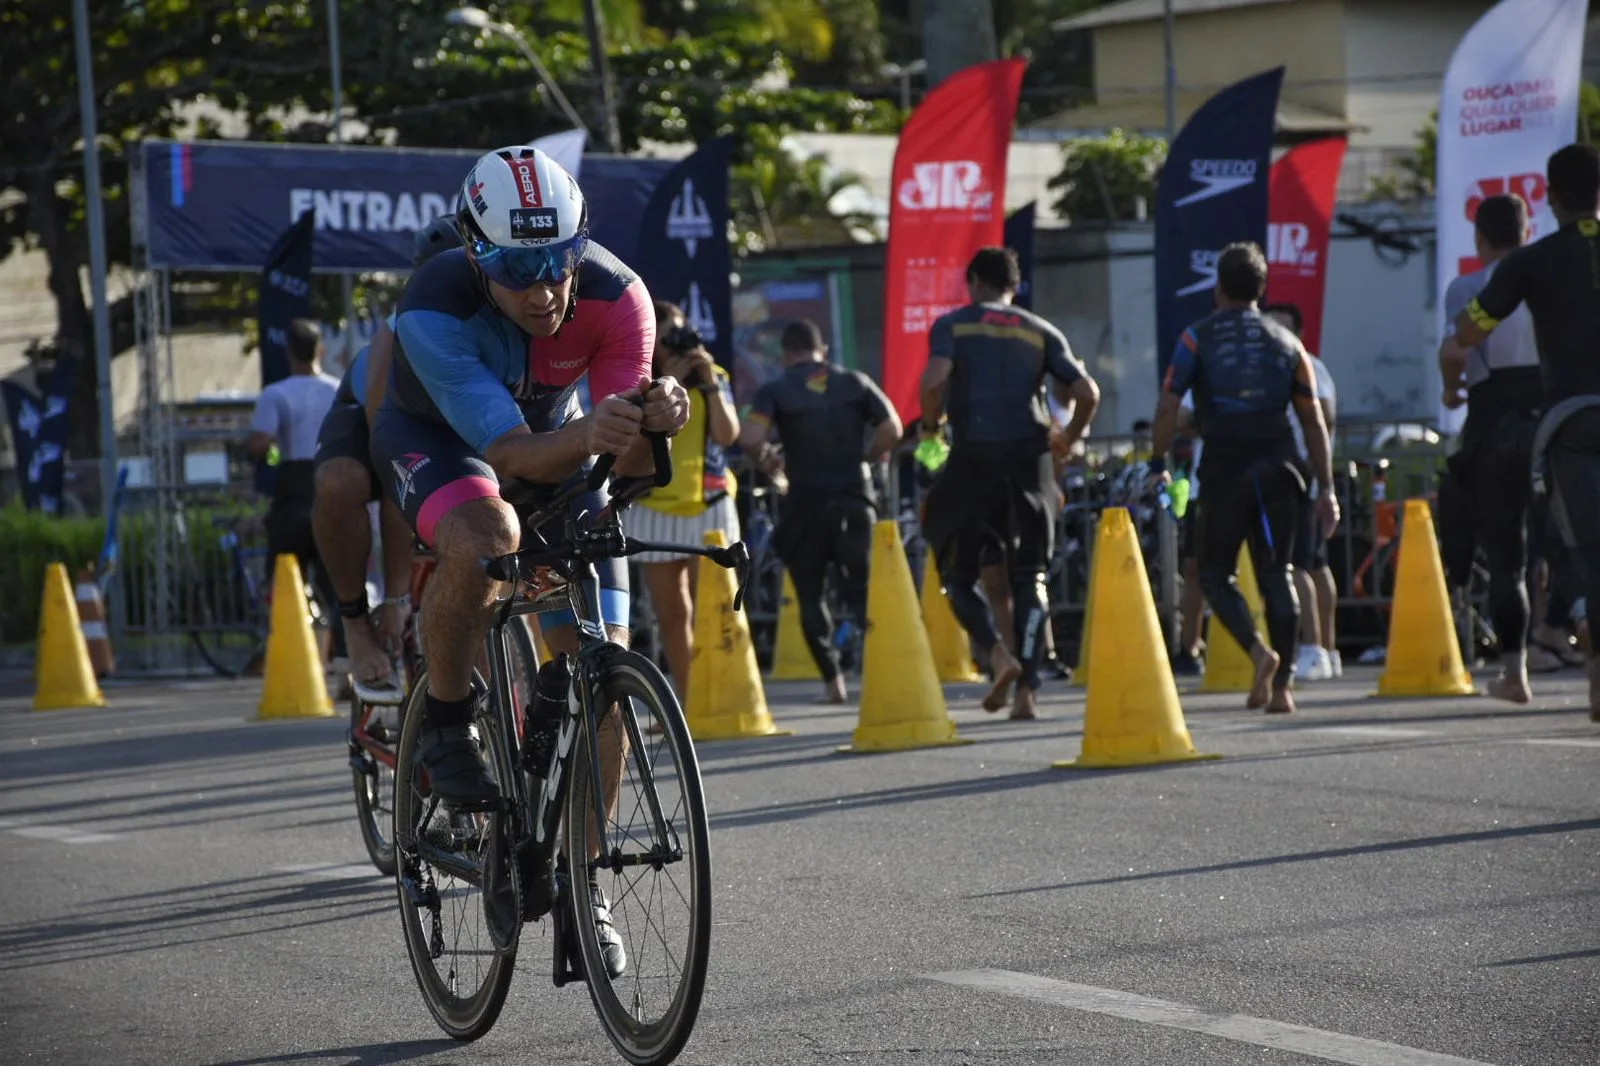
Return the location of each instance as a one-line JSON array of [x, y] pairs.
[[285, 295], [220, 205], [39, 436], [1212, 192], [1019, 238], [683, 251]]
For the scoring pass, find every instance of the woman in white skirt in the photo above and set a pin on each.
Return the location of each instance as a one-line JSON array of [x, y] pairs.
[[700, 496]]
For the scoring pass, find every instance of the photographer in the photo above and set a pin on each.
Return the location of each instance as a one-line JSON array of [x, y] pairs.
[[700, 497]]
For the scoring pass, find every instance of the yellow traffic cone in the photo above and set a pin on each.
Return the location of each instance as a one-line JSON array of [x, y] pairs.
[[791, 658], [1228, 666], [952, 650], [725, 697], [1080, 671], [1132, 717], [902, 704], [293, 685], [1424, 658], [64, 676]]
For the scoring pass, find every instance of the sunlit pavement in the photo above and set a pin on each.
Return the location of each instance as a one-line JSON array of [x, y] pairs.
[[1369, 882]]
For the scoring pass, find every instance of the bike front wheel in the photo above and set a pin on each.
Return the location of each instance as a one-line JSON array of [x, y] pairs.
[[655, 875]]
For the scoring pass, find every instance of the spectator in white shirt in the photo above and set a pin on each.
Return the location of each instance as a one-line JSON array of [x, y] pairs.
[[1318, 659]]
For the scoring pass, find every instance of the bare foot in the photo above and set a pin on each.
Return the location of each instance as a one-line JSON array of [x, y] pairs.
[[1024, 705], [1266, 661], [1511, 689], [368, 663], [1281, 702], [1006, 671]]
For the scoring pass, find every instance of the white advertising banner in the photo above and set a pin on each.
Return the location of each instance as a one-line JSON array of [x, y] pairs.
[[1510, 99], [565, 148]]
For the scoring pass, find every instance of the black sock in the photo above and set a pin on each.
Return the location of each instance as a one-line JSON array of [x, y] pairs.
[[445, 714]]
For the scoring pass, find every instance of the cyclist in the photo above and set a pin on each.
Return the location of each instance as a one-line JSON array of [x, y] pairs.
[[1558, 277], [345, 483], [480, 412]]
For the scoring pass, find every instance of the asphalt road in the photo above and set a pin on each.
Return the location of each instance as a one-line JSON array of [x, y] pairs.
[[1369, 882]]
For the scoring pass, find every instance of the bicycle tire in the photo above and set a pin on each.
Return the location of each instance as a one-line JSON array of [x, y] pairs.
[[628, 674], [467, 1019], [379, 849]]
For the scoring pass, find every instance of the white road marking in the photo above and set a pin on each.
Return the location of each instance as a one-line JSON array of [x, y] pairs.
[[1335, 1047], [1369, 731], [349, 872], [1564, 742], [65, 834]]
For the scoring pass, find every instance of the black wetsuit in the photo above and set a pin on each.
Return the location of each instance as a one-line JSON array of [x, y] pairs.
[[824, 416], [1245, 369], [996, 489], [1558, 277]]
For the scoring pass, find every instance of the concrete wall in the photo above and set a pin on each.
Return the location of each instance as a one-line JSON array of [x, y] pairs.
[[1217, 48], [1397, 53]]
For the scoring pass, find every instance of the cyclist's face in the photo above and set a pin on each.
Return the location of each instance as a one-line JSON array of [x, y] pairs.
[[538, 309]]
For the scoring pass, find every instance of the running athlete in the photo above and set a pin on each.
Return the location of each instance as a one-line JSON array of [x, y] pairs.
[[481, 412], [1245, 369], [1558, 277], [834, 424], [997, 489], [345, 483], [1485, 491]]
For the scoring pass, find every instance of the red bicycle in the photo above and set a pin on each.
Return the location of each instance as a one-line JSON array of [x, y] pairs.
[[374, 735]]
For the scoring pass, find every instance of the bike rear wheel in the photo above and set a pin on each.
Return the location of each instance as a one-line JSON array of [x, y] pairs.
[[440, 857], [657, 867]]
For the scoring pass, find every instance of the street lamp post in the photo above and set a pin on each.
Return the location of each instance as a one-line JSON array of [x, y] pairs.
[[338, 138], [97, 253], [1172, 73], [602, 74], [479, 19]]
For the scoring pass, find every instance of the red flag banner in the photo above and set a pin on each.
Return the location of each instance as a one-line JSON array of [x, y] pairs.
[[948, 189], [1303, 186]]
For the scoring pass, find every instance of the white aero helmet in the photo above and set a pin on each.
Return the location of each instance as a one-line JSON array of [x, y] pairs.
[[523, 218]]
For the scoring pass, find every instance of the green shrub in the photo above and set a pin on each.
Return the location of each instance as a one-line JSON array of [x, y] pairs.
[[29, 542]]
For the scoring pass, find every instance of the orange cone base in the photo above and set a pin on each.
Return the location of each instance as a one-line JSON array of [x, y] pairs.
[[903, 736], [745, 725], [1421, 688], [1107, 761]]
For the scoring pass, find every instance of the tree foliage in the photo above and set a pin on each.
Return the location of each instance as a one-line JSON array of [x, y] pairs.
[[1104, 178], [684, 72]]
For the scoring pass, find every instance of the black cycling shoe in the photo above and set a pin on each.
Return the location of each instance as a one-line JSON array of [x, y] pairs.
[[610, 943], [458, 773]]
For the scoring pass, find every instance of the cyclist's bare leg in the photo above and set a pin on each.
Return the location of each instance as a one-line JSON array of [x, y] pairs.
[[343, 533], [613, 736], [457, 606]]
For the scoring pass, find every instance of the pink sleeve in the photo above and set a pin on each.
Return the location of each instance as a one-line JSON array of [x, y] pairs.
[[627, 344]]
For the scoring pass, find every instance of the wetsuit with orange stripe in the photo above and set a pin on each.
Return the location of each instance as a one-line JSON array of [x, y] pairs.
[[1245, 370]]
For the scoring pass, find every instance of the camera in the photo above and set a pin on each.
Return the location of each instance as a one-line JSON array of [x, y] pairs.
[[682, 339]]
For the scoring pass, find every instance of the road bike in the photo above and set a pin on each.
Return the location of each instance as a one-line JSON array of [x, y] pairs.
[[230, 612], [552, 845]]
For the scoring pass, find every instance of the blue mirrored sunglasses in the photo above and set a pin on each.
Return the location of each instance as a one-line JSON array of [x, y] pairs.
[[522, 268]]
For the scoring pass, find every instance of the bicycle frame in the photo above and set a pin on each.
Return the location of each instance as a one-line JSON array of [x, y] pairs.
[[534, 822]]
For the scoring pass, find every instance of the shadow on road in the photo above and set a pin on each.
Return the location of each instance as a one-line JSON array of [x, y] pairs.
[[787, 812], [94, 935], [1565, 956], [1582, 825], [362, 1055]]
